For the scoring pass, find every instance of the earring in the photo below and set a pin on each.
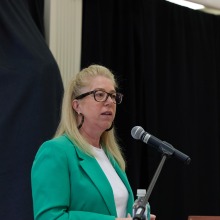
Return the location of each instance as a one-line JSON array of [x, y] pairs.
[[82, 120], [110, 127]]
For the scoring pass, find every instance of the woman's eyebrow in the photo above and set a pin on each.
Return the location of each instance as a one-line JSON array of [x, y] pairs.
[[104, 90]]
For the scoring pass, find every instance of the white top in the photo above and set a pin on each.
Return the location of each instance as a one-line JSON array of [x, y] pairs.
[[119, 190]]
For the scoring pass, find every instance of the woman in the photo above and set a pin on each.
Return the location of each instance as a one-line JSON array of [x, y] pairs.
[[80, 174]]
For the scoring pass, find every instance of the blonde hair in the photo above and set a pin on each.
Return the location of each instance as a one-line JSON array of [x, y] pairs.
[[68, 123]]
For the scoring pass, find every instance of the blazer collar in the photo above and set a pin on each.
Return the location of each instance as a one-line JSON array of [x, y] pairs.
[[97, 176]]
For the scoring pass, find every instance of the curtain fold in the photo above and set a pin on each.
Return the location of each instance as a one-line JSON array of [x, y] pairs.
[[30, 94]]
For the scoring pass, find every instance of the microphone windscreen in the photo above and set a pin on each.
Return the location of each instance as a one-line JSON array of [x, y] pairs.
[[136, 132]]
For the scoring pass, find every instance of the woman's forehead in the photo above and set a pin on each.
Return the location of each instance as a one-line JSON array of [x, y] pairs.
[[100, 82]]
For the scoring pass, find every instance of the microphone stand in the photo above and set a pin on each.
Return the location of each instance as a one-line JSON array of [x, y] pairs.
[[139, 212]]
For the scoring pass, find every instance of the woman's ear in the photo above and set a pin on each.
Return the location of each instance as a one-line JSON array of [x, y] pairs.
[[75, 105]]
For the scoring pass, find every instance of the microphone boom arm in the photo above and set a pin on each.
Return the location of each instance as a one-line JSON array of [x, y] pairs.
[[140, 210]]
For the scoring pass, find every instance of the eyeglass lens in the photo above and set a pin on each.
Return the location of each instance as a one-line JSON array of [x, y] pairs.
[[102, 96]]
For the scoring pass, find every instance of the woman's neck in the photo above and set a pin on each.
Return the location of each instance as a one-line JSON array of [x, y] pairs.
[[92, 138]]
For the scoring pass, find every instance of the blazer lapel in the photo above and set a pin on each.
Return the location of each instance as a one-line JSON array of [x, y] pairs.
[[97, 176]]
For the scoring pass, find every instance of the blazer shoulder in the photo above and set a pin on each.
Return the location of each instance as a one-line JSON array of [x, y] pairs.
[[58, 144]]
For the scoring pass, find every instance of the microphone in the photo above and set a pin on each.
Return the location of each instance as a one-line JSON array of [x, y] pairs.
[[139, 133]]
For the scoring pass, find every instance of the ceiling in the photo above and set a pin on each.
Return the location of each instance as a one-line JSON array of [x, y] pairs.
[[211, 6]]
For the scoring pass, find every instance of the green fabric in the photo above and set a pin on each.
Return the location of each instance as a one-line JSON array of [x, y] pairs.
[[68, 184]]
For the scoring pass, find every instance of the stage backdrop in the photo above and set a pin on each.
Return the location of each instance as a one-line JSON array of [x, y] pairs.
[[30, 97], [166, 58]]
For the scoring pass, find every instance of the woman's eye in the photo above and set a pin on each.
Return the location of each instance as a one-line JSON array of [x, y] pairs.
[[113, 96], [100, 94]]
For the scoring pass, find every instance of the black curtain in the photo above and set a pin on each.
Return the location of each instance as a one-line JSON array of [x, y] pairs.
[[30, 97], [166, 58]]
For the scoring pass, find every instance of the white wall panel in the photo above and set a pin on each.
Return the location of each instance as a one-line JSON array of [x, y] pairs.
[[63, 24]]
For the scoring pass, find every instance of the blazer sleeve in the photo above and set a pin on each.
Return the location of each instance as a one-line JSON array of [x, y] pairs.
[[51, 187]]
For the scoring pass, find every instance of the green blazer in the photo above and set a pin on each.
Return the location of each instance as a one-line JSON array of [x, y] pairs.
[[69, 184]]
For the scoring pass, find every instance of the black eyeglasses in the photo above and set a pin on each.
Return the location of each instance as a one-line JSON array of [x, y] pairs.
[[102, 96]]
